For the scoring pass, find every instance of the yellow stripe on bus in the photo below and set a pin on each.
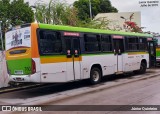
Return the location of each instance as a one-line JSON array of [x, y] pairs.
[[157, 49], [45, 60], [135, 53]]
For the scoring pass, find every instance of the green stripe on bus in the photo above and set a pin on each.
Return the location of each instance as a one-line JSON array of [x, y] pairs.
[[93, 54], [158, 53], [85, 54], [90, 54], [89, 30]]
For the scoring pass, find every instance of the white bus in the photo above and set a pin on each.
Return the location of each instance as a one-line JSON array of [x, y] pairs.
[[46, 53]]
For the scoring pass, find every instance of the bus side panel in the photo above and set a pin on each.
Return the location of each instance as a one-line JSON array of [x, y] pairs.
[[146, 57], [133, 60], [36, 77], [106, 62], [35, 53], [53, 69]]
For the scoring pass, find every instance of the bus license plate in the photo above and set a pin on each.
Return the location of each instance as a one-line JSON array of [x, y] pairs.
[[18, 72]]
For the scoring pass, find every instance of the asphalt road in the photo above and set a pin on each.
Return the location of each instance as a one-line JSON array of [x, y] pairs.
[[144, 92], [128, 90]]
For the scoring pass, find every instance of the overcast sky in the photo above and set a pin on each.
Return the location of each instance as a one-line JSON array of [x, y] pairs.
[[150, 16]]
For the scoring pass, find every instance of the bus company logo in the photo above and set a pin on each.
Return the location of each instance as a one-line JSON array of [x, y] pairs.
[[6, 108], [16, 37], [20, 108]]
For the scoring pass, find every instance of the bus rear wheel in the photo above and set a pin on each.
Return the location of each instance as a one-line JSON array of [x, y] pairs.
[[95, 75], [142, 69]]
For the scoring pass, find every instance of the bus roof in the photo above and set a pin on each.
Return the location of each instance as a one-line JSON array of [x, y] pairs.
[[90, 30]]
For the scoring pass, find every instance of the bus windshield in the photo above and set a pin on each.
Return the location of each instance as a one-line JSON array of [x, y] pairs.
[[20, 37], [158, 40]]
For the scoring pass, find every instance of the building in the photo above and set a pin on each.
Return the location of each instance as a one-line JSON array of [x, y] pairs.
[[119, 21]]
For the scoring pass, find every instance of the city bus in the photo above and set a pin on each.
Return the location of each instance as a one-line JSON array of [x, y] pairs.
[[157, 39], [44, 53]]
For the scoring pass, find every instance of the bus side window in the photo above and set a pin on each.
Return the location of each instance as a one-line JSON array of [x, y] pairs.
[[142, 43], [68, 46], [92, 43], [106, 43], [132, 43], [49, 42]]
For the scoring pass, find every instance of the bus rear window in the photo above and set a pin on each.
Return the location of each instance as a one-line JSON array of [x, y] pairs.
[[17, 51]]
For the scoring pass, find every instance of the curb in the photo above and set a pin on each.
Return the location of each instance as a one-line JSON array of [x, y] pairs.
[[18, 88]]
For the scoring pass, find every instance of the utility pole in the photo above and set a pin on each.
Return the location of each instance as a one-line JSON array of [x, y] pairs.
[[90, 9], [1, 36]]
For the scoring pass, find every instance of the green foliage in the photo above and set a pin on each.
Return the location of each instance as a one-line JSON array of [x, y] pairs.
[[60, 13], [20, 12], [56, 12], [97, 6], [4, 14], [100, 23], [4, 17], [14, 12]]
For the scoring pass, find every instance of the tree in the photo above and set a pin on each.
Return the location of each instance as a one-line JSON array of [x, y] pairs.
[[130, 25], [20, 12], [14, 13], [4, 14], [56, 12], [60, 13], [99, 23], [4, 19], [97, 6]]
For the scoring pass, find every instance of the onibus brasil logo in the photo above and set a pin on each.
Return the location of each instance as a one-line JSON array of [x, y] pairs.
[[21, 108]]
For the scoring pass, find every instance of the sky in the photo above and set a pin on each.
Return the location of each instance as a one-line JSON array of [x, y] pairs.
[[150, 15]]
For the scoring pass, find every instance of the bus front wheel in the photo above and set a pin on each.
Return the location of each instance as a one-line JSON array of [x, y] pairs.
[[95, 75]]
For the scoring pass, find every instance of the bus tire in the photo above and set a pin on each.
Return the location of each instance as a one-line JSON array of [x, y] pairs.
[[95, 75], [142, 69]]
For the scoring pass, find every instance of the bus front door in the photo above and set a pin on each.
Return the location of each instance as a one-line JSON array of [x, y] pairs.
[[152, 54], [118, 50], [73, 64]]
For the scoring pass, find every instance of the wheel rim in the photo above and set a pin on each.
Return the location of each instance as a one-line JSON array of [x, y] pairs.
[[95, 76]]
